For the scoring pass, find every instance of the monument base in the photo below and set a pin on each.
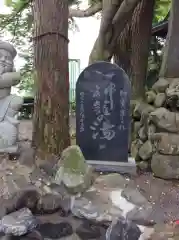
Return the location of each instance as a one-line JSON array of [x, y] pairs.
[[115, 167]]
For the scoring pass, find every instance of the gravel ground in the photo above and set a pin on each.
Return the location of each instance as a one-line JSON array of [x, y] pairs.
[[164, 195]]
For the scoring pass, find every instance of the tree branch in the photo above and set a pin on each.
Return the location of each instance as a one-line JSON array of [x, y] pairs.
[[126, 7], [85, 13]]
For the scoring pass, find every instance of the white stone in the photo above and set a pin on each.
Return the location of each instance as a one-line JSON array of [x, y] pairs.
[[9, 104]]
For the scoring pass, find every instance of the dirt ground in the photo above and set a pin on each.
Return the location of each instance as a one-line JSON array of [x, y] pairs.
[[164, 195]]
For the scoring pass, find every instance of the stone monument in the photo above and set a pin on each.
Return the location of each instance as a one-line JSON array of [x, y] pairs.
[[9, 104], [103, 117]]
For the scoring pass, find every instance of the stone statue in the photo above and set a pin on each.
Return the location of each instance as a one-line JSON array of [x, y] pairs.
[[9, 104]]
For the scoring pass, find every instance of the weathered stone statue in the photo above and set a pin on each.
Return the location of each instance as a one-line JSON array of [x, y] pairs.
[[9, 104]]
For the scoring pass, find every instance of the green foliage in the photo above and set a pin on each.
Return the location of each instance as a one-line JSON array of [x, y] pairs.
[[162, 8]]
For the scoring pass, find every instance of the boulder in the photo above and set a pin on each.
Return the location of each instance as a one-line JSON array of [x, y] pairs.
[[73, 170], [151, 131], [141, 215], [173, 89], [27, 157], [55, 230], [123, 229], [150, 96], [140, 108], [18, 223], [25, 198], [161, 85], [146, 150], [103, 201], [135, 146], [168, 143], [134, 196], [49, 204], [165, 166], [143, 165], [160, 100], [165, 120], [89, 230], [137, 126], [110, 181], [142, 134]]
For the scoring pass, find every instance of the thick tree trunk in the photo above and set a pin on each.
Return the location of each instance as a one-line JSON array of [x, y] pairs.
[[132, 49], [122, 53], [51, 116], [141, 26], [170, 62], [115, 15]]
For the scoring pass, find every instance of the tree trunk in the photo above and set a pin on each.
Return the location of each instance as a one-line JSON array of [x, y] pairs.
[[122, 53], [115, 15], [170, 62], [51, 115], [141, 26]]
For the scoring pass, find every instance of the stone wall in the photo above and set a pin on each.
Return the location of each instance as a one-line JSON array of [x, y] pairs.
[[155, 129]]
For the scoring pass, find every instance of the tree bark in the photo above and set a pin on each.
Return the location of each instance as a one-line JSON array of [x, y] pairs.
[[132, 49], [141, 27], [51, 115], [122, 53], [115, 15], [170, 62]]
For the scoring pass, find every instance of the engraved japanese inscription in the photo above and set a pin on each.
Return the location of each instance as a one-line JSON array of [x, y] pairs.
[[102, 112]]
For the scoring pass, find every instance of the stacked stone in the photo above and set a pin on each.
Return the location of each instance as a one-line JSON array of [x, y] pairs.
[[155, 129]]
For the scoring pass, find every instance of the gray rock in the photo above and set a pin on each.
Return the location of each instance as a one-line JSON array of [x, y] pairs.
[[110, 181], [66, 198], [55, 230], [18, 223], [49, 203], [26, 198], [95, 205], [142, 134], [48, 169], [72, 237], [141, 215], [34, 235], [27, 157], [38, 174], [151, 131], [90, 230], [165, 120], [165, 166], [135, 146], [168, 144], [140, 108], [147, 233], [143, 165], [123, 229], [103, 201], [160, 100], [161, 85], [134, 196], [173, 89], [74, 172], [12, 183], [137, 126], [146, 150], [150, 96]]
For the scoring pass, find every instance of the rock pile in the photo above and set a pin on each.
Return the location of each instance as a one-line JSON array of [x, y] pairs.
[[69, 202], [155, 128]]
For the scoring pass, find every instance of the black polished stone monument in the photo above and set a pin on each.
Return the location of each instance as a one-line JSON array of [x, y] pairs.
[[103, 116]]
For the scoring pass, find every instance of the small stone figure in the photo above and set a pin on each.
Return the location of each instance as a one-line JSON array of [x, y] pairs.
[[9, 104]]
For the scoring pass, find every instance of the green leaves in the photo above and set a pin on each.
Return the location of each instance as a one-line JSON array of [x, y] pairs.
[[8, 3], [162, 8]]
